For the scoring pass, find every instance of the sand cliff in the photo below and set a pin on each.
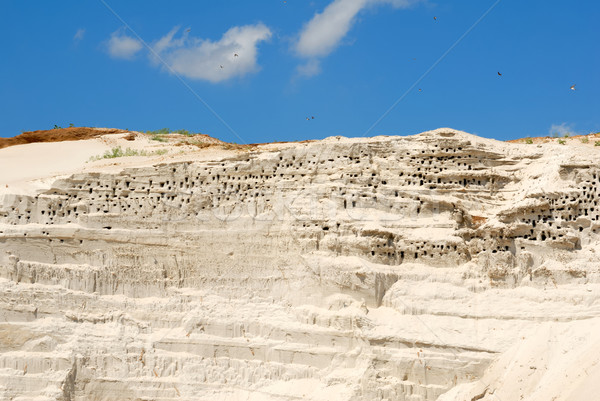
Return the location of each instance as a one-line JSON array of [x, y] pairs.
[[436, 266]]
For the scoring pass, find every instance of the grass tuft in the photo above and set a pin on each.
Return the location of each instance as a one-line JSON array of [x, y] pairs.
[[158, 135], [119, 152], [158, 138], [162, 131]]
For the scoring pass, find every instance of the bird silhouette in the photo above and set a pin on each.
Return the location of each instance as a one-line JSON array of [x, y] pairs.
[[235, 55], [435, 18], [499, 74], [221, 66], [189, 29], [312, 117], [572, 87], [307, 119]]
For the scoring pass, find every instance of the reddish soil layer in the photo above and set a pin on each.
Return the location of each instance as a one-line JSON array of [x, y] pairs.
[[57, 135]]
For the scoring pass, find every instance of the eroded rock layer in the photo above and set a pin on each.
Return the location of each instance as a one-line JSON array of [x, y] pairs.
[[389, 268]]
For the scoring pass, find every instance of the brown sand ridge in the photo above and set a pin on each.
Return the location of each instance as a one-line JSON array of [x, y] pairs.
[[57, 135]]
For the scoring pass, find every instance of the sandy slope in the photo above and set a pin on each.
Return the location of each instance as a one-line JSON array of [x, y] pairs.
[[554, 361], [28, 168], [31, 167]]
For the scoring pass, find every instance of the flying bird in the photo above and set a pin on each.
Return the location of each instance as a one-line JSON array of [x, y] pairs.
[[420, 90], [307, 119], [312, 117], [221, 66], [435, 18], [235, 55], [189, 29], [572, 87], [499, 74]]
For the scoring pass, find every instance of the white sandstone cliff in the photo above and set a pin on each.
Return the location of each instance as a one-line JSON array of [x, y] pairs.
[[437, 266]]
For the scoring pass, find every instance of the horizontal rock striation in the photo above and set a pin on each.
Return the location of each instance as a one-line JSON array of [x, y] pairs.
[[388, 268]]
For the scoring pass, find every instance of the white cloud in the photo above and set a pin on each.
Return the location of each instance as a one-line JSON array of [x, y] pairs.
[[123, 46], [79, 35], [324, 32], [167, 41], [562, 130], [311, 68], [213, 61]]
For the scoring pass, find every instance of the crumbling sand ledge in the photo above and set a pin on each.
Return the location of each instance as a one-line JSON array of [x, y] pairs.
[[438, 266]]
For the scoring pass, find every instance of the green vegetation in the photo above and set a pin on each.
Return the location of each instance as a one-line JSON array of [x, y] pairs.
[[158, 138], [119, 152], [158, 135], [528, 141], [71, 125], [597, 143], [162, 131], [584, 139], [562, 141], [184, 132]]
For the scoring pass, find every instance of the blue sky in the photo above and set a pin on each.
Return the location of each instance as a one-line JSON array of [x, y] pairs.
[[345, 62]]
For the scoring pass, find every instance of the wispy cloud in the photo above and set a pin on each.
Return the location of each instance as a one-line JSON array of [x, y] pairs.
[[78, 37], [122, 46], [311, 68], [563, 129], [234, 55], [324, 32]]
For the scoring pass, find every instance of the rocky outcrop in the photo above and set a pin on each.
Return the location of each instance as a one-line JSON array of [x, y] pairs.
[[370, 269]]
